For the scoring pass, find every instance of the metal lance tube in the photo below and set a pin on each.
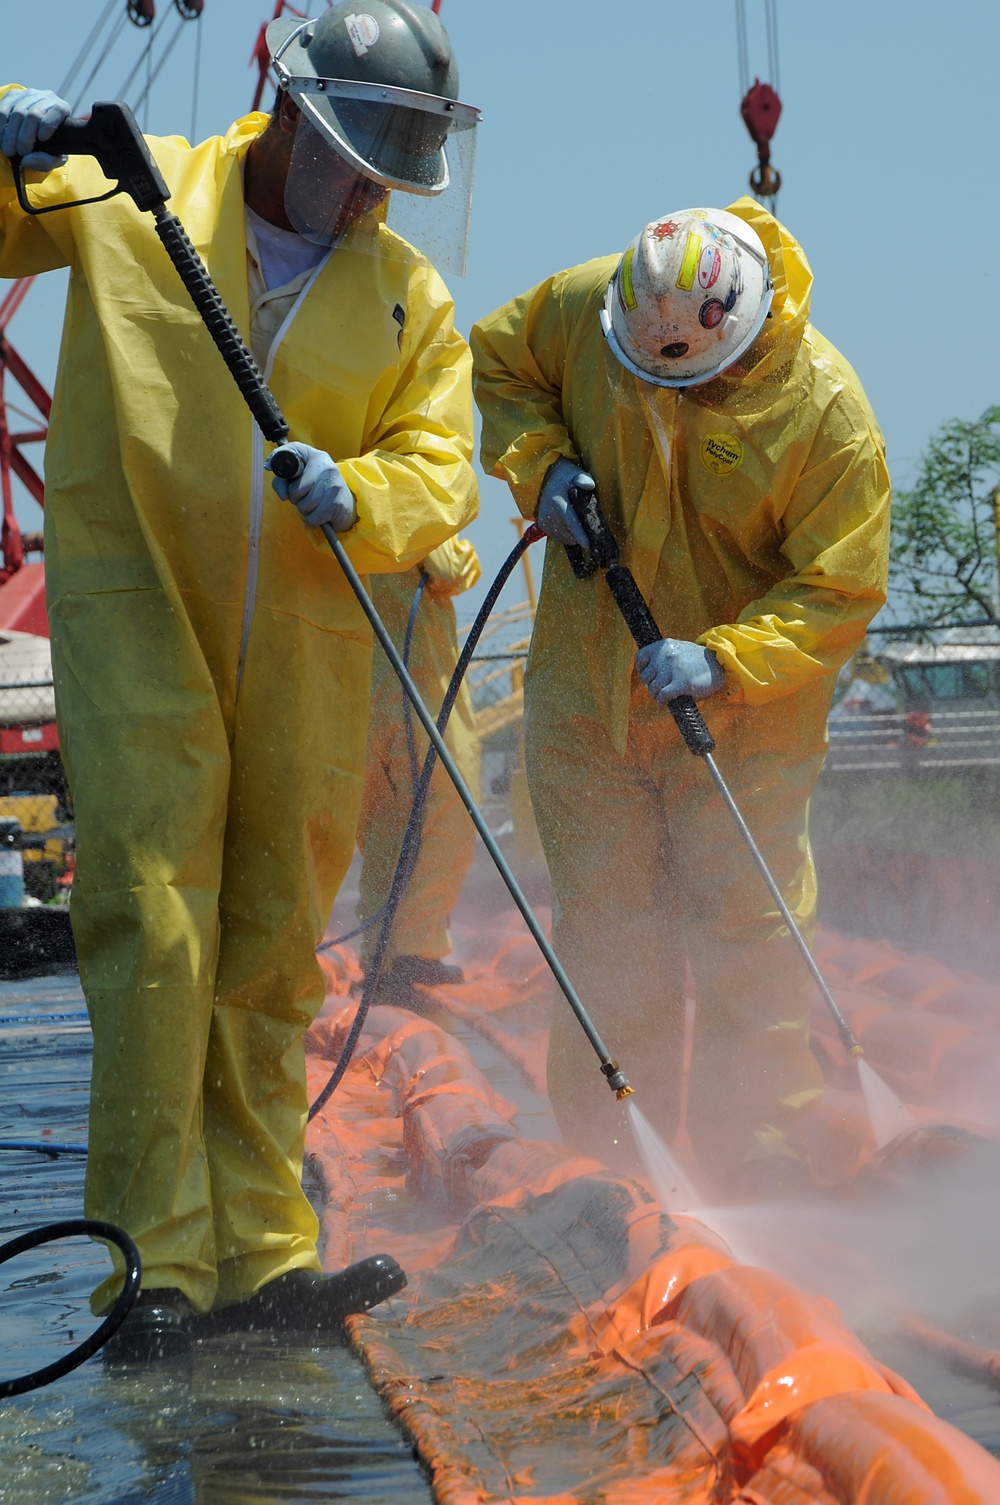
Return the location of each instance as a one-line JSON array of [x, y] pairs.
[[847, 1036], [464, 793]]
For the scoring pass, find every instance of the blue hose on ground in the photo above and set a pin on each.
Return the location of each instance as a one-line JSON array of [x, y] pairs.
[[76, 1016], [43, 1147], [411, 836]]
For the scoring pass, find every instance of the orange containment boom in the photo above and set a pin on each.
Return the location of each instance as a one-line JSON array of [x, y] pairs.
[[562, 1340]]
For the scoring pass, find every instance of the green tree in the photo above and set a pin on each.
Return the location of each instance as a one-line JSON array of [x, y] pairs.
[[943, 566]]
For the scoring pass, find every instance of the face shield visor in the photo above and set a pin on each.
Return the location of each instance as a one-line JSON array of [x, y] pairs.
[[369, 155]]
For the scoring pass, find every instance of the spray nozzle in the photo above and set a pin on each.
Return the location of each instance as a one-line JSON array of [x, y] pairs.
[[617, 1080]]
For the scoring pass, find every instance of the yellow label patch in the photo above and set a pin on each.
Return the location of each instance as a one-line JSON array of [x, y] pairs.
[[625, 281], [689, 266], [721, 454]]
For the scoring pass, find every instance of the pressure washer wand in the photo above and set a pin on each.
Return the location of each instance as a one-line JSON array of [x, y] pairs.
[[111, 135], [603, 555]]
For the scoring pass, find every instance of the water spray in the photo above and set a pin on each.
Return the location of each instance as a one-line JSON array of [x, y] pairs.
[[112, 137]]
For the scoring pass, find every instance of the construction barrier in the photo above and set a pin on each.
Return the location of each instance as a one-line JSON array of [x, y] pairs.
[[562, 1340]]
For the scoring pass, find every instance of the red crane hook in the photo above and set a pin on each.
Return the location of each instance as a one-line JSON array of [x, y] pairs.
[[761, 111]]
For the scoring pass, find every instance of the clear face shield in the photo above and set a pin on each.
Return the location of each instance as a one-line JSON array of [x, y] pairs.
[[368, 155]]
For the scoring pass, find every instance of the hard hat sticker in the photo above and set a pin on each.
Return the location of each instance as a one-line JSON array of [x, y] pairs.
[[709, 267], [626, 292], [664, 229], [689, 265], [721, 454], [363, 32], [711, 313]]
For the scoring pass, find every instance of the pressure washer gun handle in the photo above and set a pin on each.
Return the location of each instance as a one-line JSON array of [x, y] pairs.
[[603, 549], [642, 625], [111, 136], [603, 554]]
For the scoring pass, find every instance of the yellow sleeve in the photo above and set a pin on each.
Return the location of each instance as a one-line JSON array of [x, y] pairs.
[[29, 245], [415, 486], [519, 354], [837, 542], [452, 568]]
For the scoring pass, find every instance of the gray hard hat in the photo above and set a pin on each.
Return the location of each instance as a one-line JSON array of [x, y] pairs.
[[382, 83]]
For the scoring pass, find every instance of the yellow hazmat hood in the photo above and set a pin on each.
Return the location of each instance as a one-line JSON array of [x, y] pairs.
[[790, 271]]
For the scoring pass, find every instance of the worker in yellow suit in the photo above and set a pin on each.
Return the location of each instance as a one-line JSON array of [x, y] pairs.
[[211, 664], [419, 936], [742, 472]]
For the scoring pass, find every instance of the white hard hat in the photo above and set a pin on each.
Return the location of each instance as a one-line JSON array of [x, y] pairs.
[[690, 294]]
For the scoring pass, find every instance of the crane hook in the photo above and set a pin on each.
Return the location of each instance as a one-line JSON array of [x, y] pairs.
[[761, 111]]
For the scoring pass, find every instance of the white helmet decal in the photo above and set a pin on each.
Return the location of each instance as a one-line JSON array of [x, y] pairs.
[[363, 32]]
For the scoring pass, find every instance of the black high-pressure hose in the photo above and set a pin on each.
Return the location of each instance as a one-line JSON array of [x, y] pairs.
[[410, 845], [72, 1228]]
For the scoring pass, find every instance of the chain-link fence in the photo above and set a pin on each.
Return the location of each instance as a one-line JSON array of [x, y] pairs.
[[33, 790], [27, 702], [496, 674]]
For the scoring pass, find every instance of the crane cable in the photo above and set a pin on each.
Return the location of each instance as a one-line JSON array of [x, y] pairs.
[[196, 82], [81, 93], [760, 104], [143, 56], [771, 18], [152, 74], [78, 61], [742, 48]]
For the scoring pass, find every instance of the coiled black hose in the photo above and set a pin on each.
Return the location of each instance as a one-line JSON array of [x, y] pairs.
[[72, 1228]]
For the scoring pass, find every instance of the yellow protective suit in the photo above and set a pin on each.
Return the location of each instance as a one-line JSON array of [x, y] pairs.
[[753, 512], [212, 672], [448, 837]]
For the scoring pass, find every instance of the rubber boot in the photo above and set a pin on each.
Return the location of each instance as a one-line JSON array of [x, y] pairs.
[[159, 1326], [308, 1301]]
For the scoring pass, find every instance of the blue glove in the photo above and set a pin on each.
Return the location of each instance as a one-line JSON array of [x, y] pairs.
[[319, 491], [556, 517], [672, 667], [27, 118]]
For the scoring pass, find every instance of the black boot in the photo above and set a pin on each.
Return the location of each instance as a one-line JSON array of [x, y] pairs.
[[307, 1301], [159, 1326]]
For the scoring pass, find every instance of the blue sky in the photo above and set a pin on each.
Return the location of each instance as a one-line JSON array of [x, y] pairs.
[[599, 117]]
